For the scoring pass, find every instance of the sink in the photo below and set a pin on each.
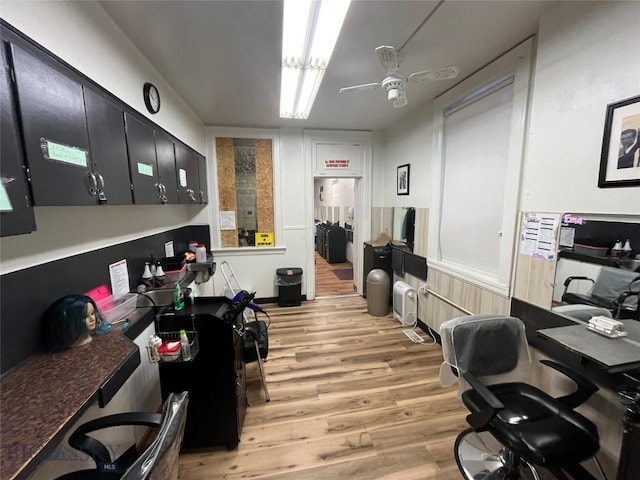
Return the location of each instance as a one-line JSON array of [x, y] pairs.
[[161, 297]]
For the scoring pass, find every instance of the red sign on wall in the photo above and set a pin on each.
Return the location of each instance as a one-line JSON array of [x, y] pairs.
[[331, 163]]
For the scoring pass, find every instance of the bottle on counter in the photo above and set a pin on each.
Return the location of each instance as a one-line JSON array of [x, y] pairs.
[[158, 277], [201, 253], [154, 344], [186, 347], [178, 297], [617, 249], [192, 246], [626, 249], [147, 277]]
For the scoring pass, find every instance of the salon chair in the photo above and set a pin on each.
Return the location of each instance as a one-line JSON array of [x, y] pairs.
[[516, 429], [159, 461], [615, 289]]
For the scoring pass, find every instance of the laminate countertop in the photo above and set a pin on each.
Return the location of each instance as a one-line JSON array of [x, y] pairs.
[[42, 398]]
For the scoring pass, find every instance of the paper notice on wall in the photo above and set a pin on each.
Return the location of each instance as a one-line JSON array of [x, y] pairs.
[[336, 163], [119, 275], [538, 235], [567, 236], [168, 249], [228, 220]]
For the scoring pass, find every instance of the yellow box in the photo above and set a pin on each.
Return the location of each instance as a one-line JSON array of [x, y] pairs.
[[264, 239]]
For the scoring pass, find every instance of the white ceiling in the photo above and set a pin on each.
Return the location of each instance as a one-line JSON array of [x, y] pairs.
[[223, 57]]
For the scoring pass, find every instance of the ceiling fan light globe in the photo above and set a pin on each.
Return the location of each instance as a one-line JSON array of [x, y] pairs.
[[393, 93]]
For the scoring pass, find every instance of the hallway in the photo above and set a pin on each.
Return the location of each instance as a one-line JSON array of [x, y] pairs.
[[333, 278]]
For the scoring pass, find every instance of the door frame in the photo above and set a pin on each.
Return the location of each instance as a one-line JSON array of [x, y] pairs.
[[362, 199]]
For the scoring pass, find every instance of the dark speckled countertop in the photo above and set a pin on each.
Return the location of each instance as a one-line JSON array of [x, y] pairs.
[[41, 399]]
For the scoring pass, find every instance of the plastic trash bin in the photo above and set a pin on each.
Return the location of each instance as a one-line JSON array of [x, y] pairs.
[[289, 282], [378, 291]]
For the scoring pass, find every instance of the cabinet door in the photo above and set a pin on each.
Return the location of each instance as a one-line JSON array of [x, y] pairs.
[[187, 169], [105, 122], [53, 118], [202, 178], [166, 166], [142, 162], [15, 206]]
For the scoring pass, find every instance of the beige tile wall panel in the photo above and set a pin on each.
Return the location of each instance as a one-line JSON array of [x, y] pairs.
[[421, 231], [264, 185], [381, 221], [464, 294], [534, 277], [227, 186]]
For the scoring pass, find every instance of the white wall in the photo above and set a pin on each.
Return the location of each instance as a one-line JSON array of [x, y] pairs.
[[84, 36], [587, 57], [337, 192]]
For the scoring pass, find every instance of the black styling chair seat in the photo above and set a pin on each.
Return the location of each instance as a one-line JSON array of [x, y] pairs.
[[159, 461], [537, 427], [516, 428]]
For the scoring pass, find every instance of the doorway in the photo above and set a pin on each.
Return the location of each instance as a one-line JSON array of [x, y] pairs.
[[334, 214]]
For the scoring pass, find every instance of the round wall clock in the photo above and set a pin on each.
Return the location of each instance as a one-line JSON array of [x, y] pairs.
[[151, 97]]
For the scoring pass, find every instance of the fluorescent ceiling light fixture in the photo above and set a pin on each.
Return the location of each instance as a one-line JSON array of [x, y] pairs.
[[310, 31]]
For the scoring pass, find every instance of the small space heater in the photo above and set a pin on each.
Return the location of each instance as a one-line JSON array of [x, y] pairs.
[[405, 303]]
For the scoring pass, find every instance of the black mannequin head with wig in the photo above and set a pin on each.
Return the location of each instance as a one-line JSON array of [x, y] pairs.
[[69, 322]]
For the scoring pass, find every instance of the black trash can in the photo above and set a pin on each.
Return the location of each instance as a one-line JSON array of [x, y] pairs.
[[289, 281]]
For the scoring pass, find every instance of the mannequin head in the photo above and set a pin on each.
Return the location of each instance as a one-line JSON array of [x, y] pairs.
[[70, 321]]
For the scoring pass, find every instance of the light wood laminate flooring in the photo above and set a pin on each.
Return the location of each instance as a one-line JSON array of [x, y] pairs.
[[327, 283], [351, 397]]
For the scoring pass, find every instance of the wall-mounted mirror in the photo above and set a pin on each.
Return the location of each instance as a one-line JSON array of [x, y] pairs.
[[404, 220], [592, 249]]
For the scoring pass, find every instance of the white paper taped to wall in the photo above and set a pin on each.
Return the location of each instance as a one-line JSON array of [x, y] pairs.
[[228, 220], [538, 235]]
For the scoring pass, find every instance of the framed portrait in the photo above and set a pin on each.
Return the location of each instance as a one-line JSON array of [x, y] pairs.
[[620, 159], [403, 180]]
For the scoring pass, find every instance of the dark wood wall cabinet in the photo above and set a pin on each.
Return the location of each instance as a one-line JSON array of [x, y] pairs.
[[16, 212], [74, 143]]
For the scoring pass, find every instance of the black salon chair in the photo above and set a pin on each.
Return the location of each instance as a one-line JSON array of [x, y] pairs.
[[159, 461], [615, 289], [515, 427]]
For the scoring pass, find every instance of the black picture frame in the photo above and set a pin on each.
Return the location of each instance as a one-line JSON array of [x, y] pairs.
[[402, 179], [620, 157]]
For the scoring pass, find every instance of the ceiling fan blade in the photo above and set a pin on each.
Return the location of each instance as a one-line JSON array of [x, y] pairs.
[[401, 100], [388, 58], [361, 88], [444, 73]]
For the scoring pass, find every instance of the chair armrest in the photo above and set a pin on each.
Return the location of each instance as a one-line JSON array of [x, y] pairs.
[[568, 280], [479, 420], [95, 449], [586, 387]]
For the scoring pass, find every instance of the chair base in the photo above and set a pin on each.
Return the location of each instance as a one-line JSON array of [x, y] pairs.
[[481, 457]]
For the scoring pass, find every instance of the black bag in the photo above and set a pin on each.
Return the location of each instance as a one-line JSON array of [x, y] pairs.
[[256, 330]]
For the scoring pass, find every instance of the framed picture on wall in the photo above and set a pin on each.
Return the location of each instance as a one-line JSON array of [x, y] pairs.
[[403, 179], [620, 159]]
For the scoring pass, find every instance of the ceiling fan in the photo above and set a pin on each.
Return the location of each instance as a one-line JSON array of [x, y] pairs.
[[395, 83]]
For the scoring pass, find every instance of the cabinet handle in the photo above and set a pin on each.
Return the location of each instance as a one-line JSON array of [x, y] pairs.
[[201, 196], [100, 181], [192, 195], [93, 187]]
